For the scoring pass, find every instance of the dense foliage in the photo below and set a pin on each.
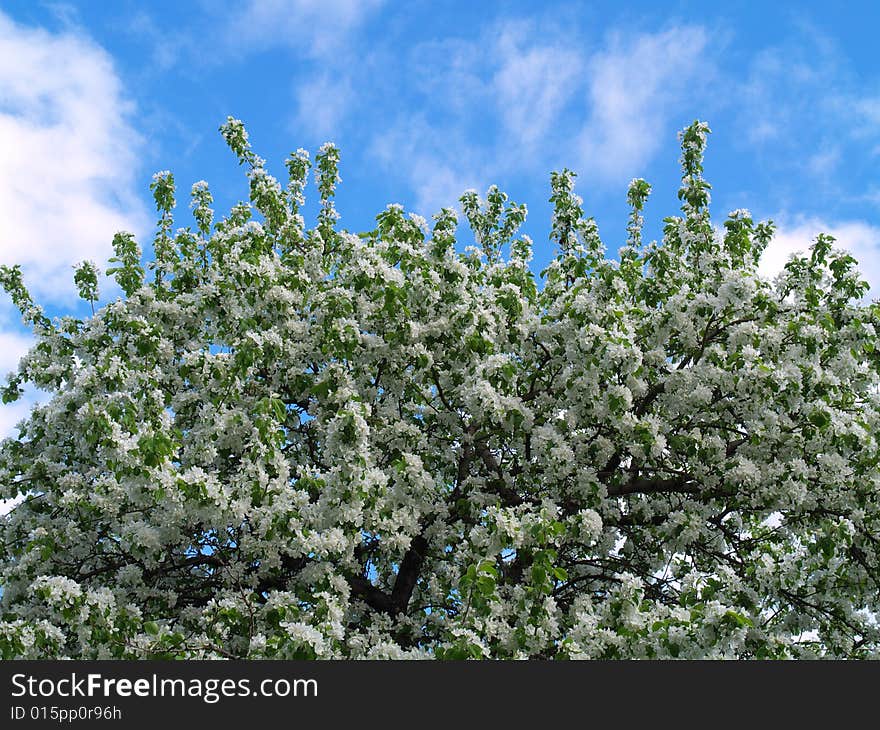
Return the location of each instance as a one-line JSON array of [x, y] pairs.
[[291, 442]]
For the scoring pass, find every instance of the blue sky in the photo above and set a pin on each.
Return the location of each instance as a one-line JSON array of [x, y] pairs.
[[427, 99]]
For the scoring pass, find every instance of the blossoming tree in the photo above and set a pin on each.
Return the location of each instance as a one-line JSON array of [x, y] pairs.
[[298, 442]]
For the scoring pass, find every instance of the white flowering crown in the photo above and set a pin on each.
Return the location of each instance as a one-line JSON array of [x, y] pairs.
[[300, 443]]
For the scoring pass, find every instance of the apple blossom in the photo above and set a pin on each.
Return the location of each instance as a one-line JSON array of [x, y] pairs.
[[305, 443]]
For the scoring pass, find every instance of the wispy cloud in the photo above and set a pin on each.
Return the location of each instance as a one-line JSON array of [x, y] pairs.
[[514, 99], [634, 86], [323, 35], [436, 177], [322, 104], [533, 82], [809, 113], [168, 46], [487, 107], [69, 156], [777, 89], [313, 27]]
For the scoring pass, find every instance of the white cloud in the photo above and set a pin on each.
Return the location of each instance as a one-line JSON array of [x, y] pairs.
[[633, 88], [322, 104], [68, 159], [13, 346], [868, 111], [437, 180], [67, 173], [824, 161], [509, 73], [440, 186], [7, 505], [11, 414], [533, 83], [314, 27], [545, 99], [860, 239], [167, 45], [320, 32], [778, 90]]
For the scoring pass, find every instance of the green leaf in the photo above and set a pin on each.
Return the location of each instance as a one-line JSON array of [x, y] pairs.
[[739, 619]]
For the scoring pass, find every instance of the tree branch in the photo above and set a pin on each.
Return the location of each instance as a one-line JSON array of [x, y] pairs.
[[641, 485], [397, 601]]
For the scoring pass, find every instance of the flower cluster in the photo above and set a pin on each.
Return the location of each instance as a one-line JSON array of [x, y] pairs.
[[304, 443]]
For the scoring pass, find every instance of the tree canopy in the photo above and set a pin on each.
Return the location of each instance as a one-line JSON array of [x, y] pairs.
[[298, 442]]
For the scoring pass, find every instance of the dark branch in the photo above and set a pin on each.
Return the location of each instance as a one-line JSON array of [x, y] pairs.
[[408, 573], [407, 576], [641, 485]]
